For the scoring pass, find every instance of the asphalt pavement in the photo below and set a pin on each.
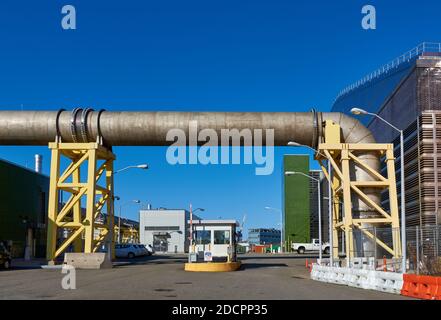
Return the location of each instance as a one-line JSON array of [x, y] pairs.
[[261, 277]]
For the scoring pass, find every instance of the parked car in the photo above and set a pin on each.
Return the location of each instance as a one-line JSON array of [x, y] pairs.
[[150, 249], [314, 246], [128, 250], [142, 249], [5, 257]]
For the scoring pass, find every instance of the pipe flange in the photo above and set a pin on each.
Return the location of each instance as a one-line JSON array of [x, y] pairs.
[[73, 124], [99, 136], [315, 131], [57, 125], [84, 131]]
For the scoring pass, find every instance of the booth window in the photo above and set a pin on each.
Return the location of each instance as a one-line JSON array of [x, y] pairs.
[[203, 237], [221, 237]]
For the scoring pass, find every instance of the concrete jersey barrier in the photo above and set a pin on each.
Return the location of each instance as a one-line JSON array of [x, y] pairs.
[[97, 260]]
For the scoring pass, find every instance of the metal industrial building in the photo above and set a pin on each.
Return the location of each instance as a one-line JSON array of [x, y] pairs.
[[23, 210], [167, 230], [296, 200], [301, 211], [407, 93], [264, 236]]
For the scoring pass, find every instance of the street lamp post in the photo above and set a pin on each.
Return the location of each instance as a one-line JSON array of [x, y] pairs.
[[330, 210], [330, 216], [291, 173], [119, 219], [358, 111], [139, 166], [281, 226]]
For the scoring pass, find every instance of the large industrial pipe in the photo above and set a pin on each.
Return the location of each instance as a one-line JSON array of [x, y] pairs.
[[151, 128]]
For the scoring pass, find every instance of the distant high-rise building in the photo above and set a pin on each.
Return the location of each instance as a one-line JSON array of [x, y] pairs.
[[296, 200], [313, 197], [301, 213]]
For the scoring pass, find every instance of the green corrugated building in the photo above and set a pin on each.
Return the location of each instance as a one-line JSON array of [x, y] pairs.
[[296, 200], [23, 209]]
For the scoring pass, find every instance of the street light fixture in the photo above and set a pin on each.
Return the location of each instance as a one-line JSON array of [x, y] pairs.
[[140, 166], [281, 226], [119, 220], [294, 144], [330, 209], [291, 173], [358, 111]]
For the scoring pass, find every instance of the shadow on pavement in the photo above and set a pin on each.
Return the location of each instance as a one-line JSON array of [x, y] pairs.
[[262, 265], [22, 264], [278, 257], [154, 259]]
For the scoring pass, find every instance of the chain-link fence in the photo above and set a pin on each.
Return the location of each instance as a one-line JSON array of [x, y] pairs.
[[423, 248]]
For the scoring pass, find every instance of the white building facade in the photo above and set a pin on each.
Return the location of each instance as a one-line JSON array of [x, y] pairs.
[[166, 230]]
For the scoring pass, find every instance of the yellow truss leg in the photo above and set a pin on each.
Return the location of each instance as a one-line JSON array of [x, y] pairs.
[[347, 204], [90, 205], [78, 243], [394, 201], [53, 206], [69, 220], [343, 157]]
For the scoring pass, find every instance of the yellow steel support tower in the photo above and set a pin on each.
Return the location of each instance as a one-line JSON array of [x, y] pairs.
[[68, 223], [342, 157]]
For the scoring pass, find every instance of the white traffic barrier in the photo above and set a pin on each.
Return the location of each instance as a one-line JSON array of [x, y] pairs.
[[320, 273], [340, 275], [388, 282], [356, 278], [324, 273], [348, 276], [335, 275], [366, 279], [359, 278], [316, 273], [328, 274]]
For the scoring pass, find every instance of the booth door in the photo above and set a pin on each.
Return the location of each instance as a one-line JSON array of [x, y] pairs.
[[221, 242], [202, 240]]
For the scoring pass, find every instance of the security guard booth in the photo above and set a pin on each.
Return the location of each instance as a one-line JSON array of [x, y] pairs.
[[212, 246]]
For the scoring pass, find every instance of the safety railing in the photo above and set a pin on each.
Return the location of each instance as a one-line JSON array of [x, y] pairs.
[[433, 47]]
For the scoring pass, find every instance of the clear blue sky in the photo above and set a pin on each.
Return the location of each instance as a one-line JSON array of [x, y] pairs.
[[197, 56]]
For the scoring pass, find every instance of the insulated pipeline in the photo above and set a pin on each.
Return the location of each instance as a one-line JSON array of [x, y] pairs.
[[151, 128]]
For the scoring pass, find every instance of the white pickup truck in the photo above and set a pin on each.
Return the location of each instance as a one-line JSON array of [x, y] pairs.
[[301, 248]]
